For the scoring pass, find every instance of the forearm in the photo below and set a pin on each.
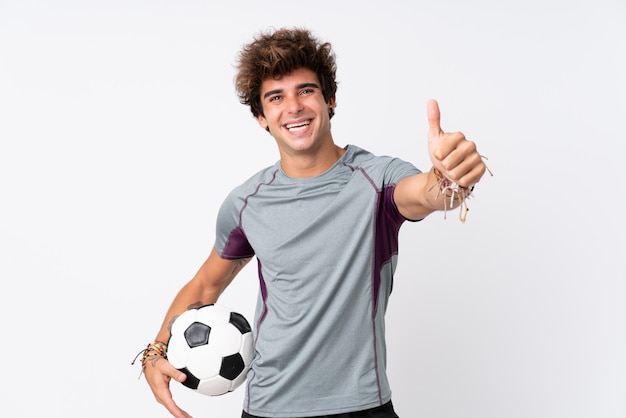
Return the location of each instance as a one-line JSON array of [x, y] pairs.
[[204, 288], [194, 294], [418, 196]]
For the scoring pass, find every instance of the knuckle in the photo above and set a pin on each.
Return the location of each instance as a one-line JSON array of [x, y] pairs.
[[458, 136], [464, 183], [447, 165], [483, 168]]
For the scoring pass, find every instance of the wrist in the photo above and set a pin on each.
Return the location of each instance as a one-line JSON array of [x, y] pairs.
[[155, 348], [153, 351], [453, 194]]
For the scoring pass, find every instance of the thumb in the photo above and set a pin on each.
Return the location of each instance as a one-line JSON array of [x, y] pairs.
[[177, 375], [434, 119], [172, 372]]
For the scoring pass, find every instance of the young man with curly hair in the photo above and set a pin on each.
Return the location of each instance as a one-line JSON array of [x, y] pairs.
[[323, 223]]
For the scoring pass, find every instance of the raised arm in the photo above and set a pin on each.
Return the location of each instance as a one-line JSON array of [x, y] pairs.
[[204, 288], [454, 158]]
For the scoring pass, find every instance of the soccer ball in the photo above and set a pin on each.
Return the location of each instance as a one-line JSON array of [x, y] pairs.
[[213, 346]]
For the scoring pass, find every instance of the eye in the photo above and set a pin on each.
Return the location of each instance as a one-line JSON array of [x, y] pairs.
[[306, 91], [274, 98]]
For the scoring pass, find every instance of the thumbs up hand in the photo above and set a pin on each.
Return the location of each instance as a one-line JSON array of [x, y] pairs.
[[451, 153]]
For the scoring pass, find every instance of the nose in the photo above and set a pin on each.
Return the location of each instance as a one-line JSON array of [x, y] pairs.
[[294, 105]]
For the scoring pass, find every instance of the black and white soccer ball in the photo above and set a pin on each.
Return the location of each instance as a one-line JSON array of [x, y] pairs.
[[213, 346]]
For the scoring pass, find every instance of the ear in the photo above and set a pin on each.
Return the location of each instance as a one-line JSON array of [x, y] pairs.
[[262, 122], [332, 102]]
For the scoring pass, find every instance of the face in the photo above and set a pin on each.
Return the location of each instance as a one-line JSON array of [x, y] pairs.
[[295, 112]]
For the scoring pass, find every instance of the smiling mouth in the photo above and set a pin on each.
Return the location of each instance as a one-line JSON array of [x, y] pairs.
[[295, 127]]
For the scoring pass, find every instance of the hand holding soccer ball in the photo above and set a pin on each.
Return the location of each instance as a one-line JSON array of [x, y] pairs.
[[213, 346]]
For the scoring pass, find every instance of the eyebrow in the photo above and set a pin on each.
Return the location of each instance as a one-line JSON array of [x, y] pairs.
[[298, 87]]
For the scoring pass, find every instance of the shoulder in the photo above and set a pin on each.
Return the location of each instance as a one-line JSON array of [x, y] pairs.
[[378, 165], [356, 156], [264, 176], [236, 198]]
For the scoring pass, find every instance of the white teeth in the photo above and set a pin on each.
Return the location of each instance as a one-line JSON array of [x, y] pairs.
[[297, 125]]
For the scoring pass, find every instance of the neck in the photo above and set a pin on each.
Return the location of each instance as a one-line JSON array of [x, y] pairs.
[[311, 164]]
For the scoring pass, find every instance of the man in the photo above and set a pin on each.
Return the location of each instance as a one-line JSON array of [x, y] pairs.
[[323, 223]]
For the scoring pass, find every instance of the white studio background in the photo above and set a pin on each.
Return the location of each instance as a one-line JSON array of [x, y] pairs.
[[121, 134]]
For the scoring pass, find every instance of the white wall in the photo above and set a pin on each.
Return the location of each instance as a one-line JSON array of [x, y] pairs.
[[121, 133]]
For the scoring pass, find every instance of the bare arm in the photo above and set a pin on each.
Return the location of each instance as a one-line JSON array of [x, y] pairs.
[[204, 288], [416, 196], [454, 156]]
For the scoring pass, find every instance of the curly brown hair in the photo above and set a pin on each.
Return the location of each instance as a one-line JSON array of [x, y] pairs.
[[276, 53]]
